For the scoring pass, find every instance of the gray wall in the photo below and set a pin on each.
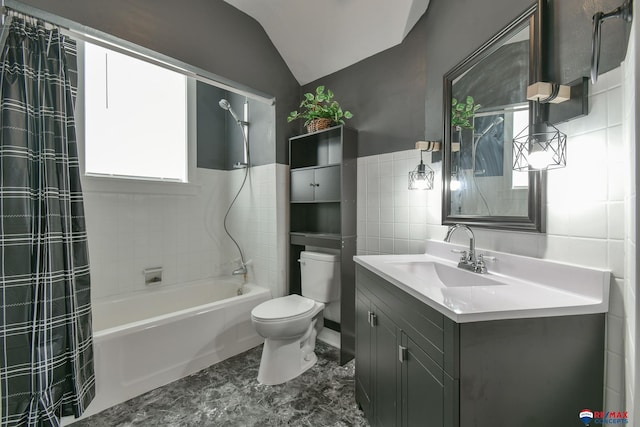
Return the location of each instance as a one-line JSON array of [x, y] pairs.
[[209, 34], [211, 127], [396, 96]]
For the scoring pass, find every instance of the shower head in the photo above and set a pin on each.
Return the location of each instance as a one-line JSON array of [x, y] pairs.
[[224, 104], [493, 124]]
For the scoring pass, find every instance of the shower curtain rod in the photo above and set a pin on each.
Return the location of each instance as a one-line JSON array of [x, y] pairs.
[[84, 33]]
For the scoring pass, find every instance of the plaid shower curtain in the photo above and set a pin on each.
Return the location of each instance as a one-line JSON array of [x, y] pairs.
[[45, 324]]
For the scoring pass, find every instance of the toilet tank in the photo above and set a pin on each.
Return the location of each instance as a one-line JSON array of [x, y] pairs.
[[320, 276]]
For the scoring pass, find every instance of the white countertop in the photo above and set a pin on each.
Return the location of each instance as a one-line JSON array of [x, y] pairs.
[[527, 287]]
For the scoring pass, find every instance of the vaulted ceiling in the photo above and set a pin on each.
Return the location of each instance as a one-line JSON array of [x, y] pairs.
[[317, 38]]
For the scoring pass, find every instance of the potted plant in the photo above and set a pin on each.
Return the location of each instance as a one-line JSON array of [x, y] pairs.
[[320, 110]]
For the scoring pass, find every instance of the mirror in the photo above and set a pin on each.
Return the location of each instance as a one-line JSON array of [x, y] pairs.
[[485, 106]]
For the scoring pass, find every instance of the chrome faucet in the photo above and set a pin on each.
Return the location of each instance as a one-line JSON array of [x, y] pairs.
[[468, 260]]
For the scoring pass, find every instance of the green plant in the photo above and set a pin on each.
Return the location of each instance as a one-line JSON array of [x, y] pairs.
[[462, 112], [320, 105]]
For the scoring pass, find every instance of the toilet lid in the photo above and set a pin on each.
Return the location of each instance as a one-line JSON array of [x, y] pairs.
[[278, 308]]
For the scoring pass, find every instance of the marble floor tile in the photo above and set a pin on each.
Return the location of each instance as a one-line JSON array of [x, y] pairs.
[[228, 394]]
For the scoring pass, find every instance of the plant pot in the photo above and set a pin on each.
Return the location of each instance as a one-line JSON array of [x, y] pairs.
[[319, 124], [456, 137]]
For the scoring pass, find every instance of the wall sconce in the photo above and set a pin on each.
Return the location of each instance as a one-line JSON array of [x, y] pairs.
[[540, 146], [421, 178]]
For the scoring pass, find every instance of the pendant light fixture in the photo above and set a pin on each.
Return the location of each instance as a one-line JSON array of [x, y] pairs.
[[421, 178], [540, 146]]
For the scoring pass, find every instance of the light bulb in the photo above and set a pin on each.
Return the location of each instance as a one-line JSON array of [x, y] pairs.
[[454, 184], [540, 158]]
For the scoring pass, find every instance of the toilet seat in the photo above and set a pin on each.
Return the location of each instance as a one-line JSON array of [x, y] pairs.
[[290, 307]]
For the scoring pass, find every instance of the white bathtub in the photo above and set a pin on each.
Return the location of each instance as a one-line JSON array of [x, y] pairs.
[[150, 338]]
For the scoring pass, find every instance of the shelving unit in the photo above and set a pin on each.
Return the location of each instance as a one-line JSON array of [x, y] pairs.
[[323, 213]]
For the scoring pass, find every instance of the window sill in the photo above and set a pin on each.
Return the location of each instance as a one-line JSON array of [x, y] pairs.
[[95, 184]]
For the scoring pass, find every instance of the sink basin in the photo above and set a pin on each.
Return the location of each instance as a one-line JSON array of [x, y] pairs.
[[448, 276]]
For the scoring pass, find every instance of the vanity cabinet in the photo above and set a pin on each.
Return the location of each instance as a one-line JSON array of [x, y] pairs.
[[417, 367], [323, 213], [398, 382]]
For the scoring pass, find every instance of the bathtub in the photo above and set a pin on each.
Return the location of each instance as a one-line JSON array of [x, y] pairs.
[[150, 338]]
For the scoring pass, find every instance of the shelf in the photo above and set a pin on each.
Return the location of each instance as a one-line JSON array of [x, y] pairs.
[[293, 202], [322, 202], [325, 240], [314, 167], [316, 133]]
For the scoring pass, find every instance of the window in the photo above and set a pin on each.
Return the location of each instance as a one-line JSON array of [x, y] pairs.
[[519, 179], [135, 118]]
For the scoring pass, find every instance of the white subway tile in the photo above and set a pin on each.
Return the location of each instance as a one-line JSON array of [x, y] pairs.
[[591, 252], [588, 220], [616, 220], [616, 297], [401, 214], [373, 245], [597, 118], [401, 231], [615, 371], [401, 246], [617, 258], [386, 230], [386, 246], [373, 229], [614, 106], [386, 212]]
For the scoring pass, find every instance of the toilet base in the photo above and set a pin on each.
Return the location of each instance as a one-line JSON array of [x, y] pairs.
[[284, 360]]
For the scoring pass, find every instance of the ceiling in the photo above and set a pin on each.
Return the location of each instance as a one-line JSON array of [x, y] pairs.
[[317, 38]]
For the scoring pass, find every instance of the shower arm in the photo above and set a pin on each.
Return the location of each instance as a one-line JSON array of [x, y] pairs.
[[623, 11]]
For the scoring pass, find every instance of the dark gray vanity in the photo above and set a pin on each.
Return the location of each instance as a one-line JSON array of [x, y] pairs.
[[417, 367]]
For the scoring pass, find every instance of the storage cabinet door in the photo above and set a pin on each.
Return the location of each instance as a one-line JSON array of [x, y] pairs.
[[302, 185], [385, 366], [423, 389], [363, 354], [327, 184]]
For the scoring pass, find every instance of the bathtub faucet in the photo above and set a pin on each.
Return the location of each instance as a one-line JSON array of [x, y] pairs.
[[240, 271]]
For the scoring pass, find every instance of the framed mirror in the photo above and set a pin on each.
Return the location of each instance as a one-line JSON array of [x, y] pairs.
[[485, 106]]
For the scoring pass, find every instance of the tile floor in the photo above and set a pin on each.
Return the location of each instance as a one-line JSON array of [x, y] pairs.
[[227, 394]]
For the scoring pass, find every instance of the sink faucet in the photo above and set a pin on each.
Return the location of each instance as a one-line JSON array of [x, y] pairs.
[[468, 260]]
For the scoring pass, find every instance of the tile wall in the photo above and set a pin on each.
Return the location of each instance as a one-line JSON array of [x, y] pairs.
[[587, 214], [631, 106], [148, 224]]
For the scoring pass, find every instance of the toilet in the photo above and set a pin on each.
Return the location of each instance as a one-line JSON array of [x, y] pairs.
[[291, 323]]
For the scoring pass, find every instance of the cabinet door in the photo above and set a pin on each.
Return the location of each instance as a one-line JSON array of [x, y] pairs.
[[327, 183], [363, 353], [423, 388], [302, 185], [385, 370]]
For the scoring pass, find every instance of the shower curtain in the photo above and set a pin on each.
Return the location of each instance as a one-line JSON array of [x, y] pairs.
[[46, 344]]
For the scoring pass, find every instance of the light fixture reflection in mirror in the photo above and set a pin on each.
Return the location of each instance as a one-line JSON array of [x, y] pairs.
[[421, 178], [455, 184]]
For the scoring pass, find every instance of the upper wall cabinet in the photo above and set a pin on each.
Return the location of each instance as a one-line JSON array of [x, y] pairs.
[[485, 106]]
